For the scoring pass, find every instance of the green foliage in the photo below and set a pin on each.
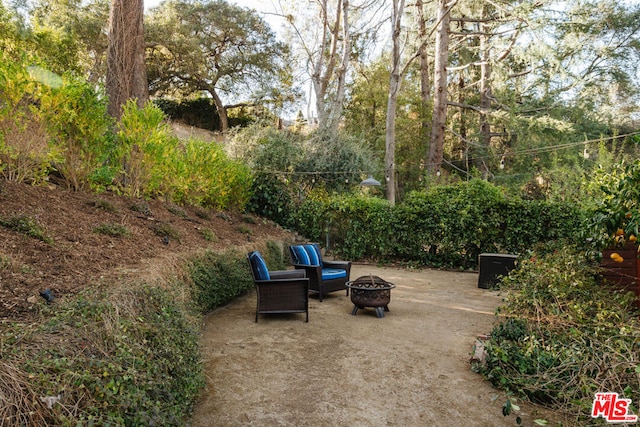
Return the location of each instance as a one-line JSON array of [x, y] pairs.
[[360, 227], [563, 336], [270, 199], [208, 235], [24, 150], [77, 123], [447, 226], [159, 165], [619, 208], [113, 230], [335, 160], [219, 278], [27, 225], [131, 359], [166, 231]]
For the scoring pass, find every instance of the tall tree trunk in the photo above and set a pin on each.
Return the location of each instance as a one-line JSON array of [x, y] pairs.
[[439, 120], [222, 111], [126, 70], [336, 110], [325, 64], [485, 87], [392, 104], [425, 81]]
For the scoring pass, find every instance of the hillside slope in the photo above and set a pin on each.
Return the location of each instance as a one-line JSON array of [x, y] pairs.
[[88, 239]]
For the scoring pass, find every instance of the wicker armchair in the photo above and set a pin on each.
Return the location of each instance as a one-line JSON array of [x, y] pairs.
[[278, 291], [324, 276]]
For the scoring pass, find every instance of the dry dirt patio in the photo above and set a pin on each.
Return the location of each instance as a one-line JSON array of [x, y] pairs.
[[410, 368]]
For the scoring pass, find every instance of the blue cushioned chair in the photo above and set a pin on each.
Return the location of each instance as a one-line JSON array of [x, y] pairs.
[[285, 291], [324, 276]]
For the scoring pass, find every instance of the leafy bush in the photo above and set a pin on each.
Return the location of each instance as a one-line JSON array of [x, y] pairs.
[[127, 359], [447, 226], [219, 278], [159, 165], [24, 150], [26, 225], [270, 199], [361, 227], [113, 230], [564, 336], [77, 123]]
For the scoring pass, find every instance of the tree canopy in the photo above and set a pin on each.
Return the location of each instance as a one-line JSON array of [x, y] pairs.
[[217, 48]]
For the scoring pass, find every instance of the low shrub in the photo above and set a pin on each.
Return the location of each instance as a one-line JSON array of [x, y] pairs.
[[219, 278], [563, 336], [27, 225], [113, 230], [129, 358]]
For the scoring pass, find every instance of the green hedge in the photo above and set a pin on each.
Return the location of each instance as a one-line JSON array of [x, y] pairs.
[[447, 226]]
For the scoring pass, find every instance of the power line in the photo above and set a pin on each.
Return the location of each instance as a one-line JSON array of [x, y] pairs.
[[528, 151]]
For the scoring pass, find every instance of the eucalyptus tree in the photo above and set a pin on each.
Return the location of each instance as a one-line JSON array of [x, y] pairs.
[[329, 37], [219, 49]]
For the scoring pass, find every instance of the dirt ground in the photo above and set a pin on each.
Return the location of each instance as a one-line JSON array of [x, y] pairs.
[[410, 368], [77, 256]]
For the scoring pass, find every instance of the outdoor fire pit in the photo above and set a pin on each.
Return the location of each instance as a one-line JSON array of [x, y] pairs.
[[370, 291]]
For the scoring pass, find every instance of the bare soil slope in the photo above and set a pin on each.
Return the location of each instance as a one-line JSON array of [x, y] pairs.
[[77, 256]]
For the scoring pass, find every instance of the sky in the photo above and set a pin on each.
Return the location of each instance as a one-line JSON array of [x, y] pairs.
[[259, 5]]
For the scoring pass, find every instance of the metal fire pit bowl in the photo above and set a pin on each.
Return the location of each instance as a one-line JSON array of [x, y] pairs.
[[370, 291]]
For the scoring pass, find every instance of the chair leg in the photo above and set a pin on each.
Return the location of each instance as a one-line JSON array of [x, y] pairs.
[[355, 310], [379, 312]]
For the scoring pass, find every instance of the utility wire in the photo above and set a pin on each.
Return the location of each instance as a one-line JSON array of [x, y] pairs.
[[518, 153]]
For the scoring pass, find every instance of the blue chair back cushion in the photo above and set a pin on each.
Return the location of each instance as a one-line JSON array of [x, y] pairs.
[[314, 256], [260, 269], [302, 256], [333, 273]]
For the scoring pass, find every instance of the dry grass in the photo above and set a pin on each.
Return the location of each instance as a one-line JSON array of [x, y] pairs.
[[19, 403]]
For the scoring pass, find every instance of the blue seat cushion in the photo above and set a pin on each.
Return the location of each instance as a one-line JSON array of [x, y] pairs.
[[314, 257], [259, 267], [301, 255], [333, 273]]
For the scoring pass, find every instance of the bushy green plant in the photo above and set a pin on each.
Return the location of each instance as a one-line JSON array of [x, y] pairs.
[[27, 225], [361, 227], [218, 278], [563, 336], [126, 360], [46, 120], [113, 230], [159, 165], [77, 123], [270, 199], [24, 150], [619, 208], [447, 226]]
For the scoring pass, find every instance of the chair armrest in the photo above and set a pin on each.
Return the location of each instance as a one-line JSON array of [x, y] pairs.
[[287, 274], [345, 265]]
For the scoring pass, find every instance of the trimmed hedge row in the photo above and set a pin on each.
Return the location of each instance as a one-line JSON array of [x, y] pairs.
[[447, 226]]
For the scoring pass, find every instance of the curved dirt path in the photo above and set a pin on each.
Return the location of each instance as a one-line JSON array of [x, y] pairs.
[[410, 368]]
